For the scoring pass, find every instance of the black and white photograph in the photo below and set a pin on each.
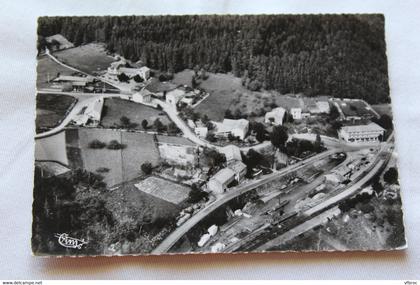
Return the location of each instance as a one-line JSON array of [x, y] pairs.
[[214, 134]]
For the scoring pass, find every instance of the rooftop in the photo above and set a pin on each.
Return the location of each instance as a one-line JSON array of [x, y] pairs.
[[232, 152], [74, 78], [224, 175], [371, 127], [277, 114], [229, 125], [163, 189], [237, 166]]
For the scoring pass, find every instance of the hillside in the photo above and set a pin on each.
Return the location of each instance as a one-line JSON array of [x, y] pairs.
[[338, 55]]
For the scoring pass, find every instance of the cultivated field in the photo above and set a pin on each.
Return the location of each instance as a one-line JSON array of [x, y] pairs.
[[51, 109], [123, 164], [164, 189], [115, 108], [45, 68], [90, 58]]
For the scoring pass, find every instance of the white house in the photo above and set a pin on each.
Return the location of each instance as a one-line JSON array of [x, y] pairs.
[[238, 128], [231, 152], [276, 116], [94, 110], [143, 96], [174, 96], [370, 133], [220, 181], [296, 113], [119, 67], [201, 131], [144, 72]]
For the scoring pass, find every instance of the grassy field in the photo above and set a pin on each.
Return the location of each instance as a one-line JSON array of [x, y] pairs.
[[223, 89], [227, 92], [51, 109], [184, 77], [123, 164], [47, 67], [90, 58], [115, 108]]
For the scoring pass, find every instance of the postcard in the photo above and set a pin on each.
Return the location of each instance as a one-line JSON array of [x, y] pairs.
[[214, 134]]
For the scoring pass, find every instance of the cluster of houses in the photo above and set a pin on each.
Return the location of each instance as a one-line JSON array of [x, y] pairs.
[[68, 83], [91, 114], [172, 94], [123, 67], [235, 170]]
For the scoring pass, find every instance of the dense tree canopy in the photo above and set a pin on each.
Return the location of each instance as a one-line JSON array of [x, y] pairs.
[[338, 55]]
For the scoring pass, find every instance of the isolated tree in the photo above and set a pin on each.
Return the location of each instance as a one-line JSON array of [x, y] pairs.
[[123, 77], [205, 119], [391, 176], [96, 144], [318, 143], [144, 124], [138, 78], [114, 145], [147, 168], [125, 121], [279, 136], [158, 125]]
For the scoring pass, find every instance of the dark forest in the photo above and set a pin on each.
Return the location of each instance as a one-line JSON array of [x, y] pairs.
[[338, 55]]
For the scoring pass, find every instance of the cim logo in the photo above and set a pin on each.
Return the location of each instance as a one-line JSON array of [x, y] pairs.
[[70, 242]]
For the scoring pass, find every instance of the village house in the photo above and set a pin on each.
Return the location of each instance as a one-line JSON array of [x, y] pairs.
[[231, 152], [296, 113], [72, 79], [143, 96], [238, 128], [177, 150], [119, 67], [276, 116], [174, 96], [239, 168], [220, 181], [370, 133], [94, 111], [90, 114], [201, 132]]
